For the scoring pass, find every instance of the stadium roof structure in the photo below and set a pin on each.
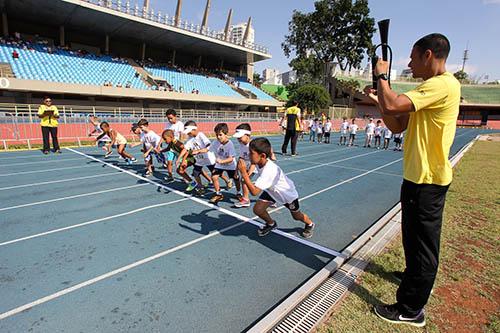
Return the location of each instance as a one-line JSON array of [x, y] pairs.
[[116, 21]]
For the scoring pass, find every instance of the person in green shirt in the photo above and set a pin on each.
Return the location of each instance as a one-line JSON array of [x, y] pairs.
[[49, 116]]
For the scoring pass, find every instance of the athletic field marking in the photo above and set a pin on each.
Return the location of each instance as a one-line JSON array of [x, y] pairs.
[[60, 181], [122, 269], [333, 162], [356, 169], [119, 215], [205, 203], [40, 162], [45, 170], [70, 197], [102, 219]]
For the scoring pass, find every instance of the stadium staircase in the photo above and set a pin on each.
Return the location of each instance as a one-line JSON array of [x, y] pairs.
[[143, 74], [6, 70]]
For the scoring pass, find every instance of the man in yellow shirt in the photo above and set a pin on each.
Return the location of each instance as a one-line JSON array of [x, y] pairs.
[[293, 127], [49, 115], [428, 114]]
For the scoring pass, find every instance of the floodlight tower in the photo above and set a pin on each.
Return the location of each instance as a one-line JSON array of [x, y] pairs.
[[465, 57]]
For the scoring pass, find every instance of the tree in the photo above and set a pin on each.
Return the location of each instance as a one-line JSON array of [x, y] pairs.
[[461, 76], [336, 31], [312, 97], [349, 87], [257, 79]]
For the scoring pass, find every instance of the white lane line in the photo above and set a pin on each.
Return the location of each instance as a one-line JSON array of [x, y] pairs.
[[123, 214], [102, 219], [355, 169], [41, 162], [308, 155], [45, 170], [122, 269], [205, 203], [60, 181], [333, 162], [70, 197]]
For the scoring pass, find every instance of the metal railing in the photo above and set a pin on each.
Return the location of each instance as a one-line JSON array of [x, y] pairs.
[[19, 123], [124, 6]]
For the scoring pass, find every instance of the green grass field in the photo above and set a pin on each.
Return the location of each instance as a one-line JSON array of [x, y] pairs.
[[466, 295]]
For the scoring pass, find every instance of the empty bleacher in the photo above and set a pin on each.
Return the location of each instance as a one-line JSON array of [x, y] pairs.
[[253, 89]]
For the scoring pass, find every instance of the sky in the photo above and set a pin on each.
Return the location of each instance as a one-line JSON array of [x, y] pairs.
[[472, 23]]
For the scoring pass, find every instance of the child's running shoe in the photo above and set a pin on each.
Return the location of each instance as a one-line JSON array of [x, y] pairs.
[[133, 160], [191, 186], [129, 162], [308, 231], [216, 198], [230, 184], [267, 229], [169, 178], [199, 191], [242, 203], [148, 173], [108, 154]]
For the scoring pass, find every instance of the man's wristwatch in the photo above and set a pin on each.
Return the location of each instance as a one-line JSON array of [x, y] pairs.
[[383, 76]]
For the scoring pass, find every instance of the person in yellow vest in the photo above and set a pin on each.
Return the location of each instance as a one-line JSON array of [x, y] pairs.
[[429, 115], [293, 127], [49, 115]]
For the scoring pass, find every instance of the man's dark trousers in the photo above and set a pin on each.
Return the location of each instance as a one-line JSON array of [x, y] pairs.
[[422, 214], [293, 135], [45, 134]]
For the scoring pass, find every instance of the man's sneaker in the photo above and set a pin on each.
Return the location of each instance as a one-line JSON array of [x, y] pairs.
[[266, 229], [108, 154], [243, 203], [169, 178], [45, 152], [191, 186], [58, 151], [230, 184], [308, 231], [391, 314], [216, 198]]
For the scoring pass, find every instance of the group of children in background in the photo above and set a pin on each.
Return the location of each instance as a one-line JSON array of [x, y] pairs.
[[374, 134], [219, 157], [319, 129]]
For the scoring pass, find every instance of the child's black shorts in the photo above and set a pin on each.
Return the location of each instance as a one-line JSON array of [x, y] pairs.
[[397, 140], [230, 173], [327, 134], [352, 136], [198, 168], [292, 206]]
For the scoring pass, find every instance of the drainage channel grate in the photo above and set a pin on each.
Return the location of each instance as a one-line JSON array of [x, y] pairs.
[[305, 316]]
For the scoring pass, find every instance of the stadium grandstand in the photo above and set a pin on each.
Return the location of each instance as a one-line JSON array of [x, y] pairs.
[[117, 53]]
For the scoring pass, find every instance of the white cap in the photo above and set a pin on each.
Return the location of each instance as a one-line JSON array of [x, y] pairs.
[[240, 132], [188, 129]]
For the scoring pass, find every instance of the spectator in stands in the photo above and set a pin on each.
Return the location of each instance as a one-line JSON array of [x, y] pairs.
[[15, 55], [49, 115], [128, 85]]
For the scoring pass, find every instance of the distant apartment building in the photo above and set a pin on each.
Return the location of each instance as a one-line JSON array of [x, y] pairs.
[[271, 76], [288, 77]]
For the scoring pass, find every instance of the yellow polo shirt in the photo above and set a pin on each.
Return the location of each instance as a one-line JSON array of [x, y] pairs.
[[293, 116], [431, 130], [48, 120]]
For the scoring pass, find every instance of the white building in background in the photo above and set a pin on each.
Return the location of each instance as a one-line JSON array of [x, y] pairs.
[[238, 31], [406, 73], [271, 76], [288, 77]]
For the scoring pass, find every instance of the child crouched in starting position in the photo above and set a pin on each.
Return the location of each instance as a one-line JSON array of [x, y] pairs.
[[273, 186], [184, 158]]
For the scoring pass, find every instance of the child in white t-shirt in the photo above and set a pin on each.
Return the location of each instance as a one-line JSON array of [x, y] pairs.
[[353, 129], [398, 141], [152, 147], [370, 132], [243, 133], [327, 130], [387, 137], [319, 131], [312, 129], [378, 133], [344, 129], [273, 186], [225, 160]]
